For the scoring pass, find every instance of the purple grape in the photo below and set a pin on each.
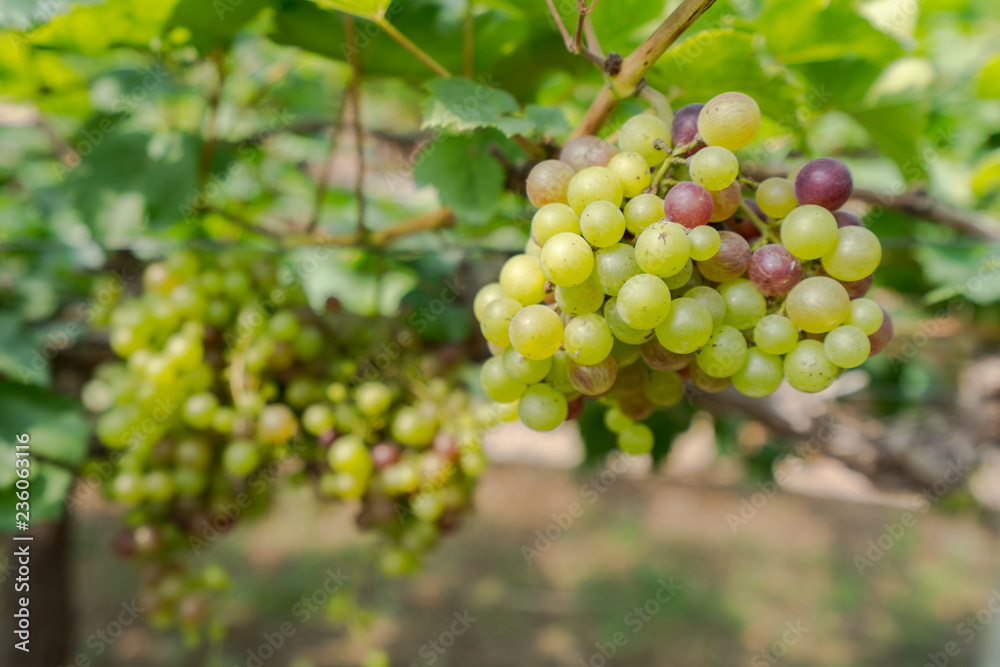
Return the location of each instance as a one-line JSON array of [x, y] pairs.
[[730, 261], [593, 380], [587, 151], [858, 288], [881, 338], [636, 406], [845, 219], [574, 408], [660, 358], [688, 204], [825, 182], [774, 271], [684, 128], [726, 202], [548, 181]]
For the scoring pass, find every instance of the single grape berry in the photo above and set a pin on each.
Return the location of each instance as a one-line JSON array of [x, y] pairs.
[[825, 182]]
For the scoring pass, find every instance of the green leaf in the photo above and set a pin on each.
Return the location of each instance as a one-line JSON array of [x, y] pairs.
[[19, 358], [93, 28], [460, 105], [358, 281], [55, 424], [986, 174], [989, 78], [214, 23], [896, 130], [467, 177], [548, 121], [367, 9], [971, 271]]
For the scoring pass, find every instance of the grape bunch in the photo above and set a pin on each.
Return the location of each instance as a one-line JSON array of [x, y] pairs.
[[649, 266], [227, 382]]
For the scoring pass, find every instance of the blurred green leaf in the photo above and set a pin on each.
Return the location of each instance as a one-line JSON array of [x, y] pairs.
[[896, 130], [55, 423], [358, 281], [986, 174], [364, 8], [19, 358], [214, 24], [971, 271], [93, 28], [989, 78]]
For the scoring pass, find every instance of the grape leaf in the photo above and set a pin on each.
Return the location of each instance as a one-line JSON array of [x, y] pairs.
[[986, 174], [895, 129], [93, 28], [350, 276], [214, 23], [460, 105], [989, 78], [19, 359], [55, 423], [367, 9], [971, 271]]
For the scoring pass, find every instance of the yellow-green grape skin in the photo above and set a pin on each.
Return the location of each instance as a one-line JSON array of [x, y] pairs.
[[277, 424], [642, 211], [817, 304], [643, 301], [588, 339], [615, 265], [620, 328], [715, 168], [552, 219], [639, 134], [558, 376], [497, 384], [532, 249], [484, 297], [625, 354], [711, 299], [663, 388], [724, 353], [855, 255], [495, 323], [809, 232], [567, 259], [636, 439], [745, 305], [808, 369], [526, 371], [536, 332], [318, 419], [775, 334], [594, 184], [662, 249], [602, 224], [760, 375], [587, 297], [615, 420], [349, 454], [414, 426], [523, 280], [730, 120], [776, 197], [687, 328], [681, 278], [632, 172], [705, 242], [847, 346], [866, 315], [240, 458], [542, 407]]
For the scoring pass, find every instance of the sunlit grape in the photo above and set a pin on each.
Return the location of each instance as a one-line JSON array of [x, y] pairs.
[[548, 181], [567, 259], [730, 120], [552, 219], [593, 184], [646, 135], [808, 369], [536, 332], [632, 172], [714, 167]]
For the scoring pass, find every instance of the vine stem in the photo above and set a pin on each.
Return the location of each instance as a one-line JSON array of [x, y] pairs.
[[761, 226], [635, 66], [403, 41]]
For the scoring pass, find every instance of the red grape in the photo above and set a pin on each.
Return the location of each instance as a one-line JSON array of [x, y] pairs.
[[845, 219], [730, 261], [688, 204], [660, 358], [825, 182], [587, 151], [593, 380], [881, 338], [684, 128], [725, 202], [547, 182], [774, 270]]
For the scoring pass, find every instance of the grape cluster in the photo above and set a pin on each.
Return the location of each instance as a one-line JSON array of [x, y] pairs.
[[228, 382], [621, 294]]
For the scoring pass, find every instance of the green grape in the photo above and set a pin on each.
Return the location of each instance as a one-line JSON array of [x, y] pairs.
[[593, 184], [620, 328], [199, 410], [497, 384], [159, 486], [602, 224], [724, 354], [636, 439], [414, 426], [567, 259], [532, 249], [866, 315], [348, 454], [847, 346], [542, 407], [223, 420], [679, 280], [189, 483], [522, 279], [585, 298], [809, 232], [646, 135], [536, 332], [240, 458], [486, 295], [526, 371], [662, 249], [760, 375], [615, 420], [277, 424], [714, 168], [808, 369], [553, 219], [615, 265], [588, 339], [745, 305], [776, 197], [309, 345], [625, 354], [856, 254], [373, 399], [643, 301], [712, 300], [193, 453], [663, 388], [687, 327], [219, 313], [817, 304], [300, 392], [730, 120], [642, 211], [318, 419], [705, 242], [127, 488], [558, 376], [284, 326], [496, 320], [775, 334], [632, 172]]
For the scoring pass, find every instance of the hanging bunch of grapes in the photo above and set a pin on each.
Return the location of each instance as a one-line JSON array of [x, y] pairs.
[[622, 295], [228, 383]]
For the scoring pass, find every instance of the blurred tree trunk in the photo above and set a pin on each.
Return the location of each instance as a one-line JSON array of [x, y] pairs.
[[51, 617]]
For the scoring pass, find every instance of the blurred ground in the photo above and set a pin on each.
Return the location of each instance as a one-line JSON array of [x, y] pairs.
[[783, 587]]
